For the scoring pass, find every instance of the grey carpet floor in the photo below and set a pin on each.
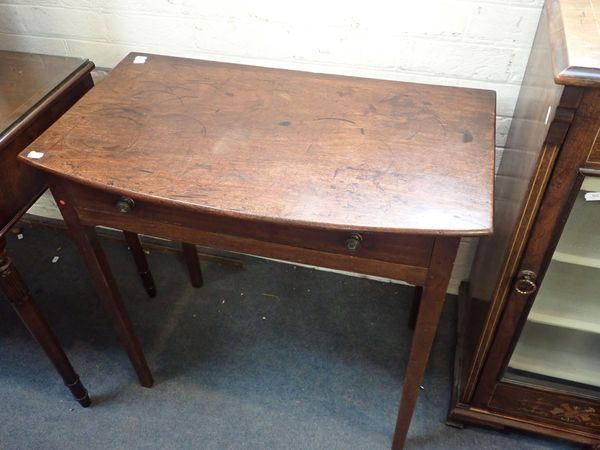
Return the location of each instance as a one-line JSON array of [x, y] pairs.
[[264, 356]]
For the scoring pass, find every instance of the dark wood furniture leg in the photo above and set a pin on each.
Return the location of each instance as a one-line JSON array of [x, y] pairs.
[[432, 303], [18, 295], [90, 249], [189, 253], [193, 263], [414, 307], [133, 241]]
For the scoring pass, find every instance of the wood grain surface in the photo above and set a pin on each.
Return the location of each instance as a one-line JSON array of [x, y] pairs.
[[575, 28], [26, 110], [283, 146], [27, 78]]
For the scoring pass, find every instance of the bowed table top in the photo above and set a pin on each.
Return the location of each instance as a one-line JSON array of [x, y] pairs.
[[283, 146]]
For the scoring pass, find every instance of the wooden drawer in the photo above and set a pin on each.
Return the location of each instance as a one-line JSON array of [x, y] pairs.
[[99, 208]]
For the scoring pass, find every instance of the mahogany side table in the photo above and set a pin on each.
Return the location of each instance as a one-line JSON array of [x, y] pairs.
[[370, 176], [34, 91]]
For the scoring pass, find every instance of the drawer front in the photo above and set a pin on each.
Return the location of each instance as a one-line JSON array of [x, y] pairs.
[[100, 208]]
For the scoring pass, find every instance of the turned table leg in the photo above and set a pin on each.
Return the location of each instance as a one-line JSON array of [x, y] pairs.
[[430, 310], [135, 246], [193, 263], [94, 258], [17, 293]]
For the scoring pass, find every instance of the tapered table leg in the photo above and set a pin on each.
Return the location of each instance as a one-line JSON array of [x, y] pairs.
[[94, 258], [17, 293], [135, 246], [191, 259], [414, 307], [432, 303]]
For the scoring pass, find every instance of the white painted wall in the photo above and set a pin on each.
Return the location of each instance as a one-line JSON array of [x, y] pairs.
[[482, 44]]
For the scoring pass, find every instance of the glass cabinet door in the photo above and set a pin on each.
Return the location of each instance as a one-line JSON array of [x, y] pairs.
[[560, 341]]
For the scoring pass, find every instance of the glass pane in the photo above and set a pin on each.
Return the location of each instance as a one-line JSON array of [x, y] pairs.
[[26, 79], [561, 339]]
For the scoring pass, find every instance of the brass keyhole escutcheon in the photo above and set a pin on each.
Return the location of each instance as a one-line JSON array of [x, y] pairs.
[[353, 242], [125, 204], [526, 282]]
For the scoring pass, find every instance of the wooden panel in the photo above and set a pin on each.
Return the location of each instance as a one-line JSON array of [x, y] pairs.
[[498, 419], [524, 170], [19, 183], [575, 37], [290, 147], [577, 413], [593, 161]]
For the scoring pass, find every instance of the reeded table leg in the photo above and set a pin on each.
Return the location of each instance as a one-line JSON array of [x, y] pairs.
[[17, 293], [430, 310], [133, 241], [91, 251], [191, 259]]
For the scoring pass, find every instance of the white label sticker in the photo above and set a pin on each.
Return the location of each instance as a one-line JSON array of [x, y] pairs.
[[548, 115], [592, 196], [35, 155], [20, 236], [140, 59], [55, 259]]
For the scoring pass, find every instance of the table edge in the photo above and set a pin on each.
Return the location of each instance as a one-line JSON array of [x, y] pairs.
[[76, 76], [58, 177]]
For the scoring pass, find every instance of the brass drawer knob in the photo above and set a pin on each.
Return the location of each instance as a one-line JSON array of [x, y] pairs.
[[526, 282], [353, 242], [125, 204]]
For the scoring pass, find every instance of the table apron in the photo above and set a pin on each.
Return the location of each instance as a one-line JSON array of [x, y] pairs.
[[398, 257], [411, 274]]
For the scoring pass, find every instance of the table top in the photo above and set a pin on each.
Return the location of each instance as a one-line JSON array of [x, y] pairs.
[[26, 79], [283, 146], [575, 39]]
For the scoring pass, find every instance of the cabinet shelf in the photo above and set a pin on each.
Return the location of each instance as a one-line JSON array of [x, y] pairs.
[[559, 353], [591, 184], [580, 240], [569, 297]]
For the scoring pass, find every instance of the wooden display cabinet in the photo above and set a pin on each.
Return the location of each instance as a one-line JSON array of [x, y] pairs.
[[528, 354]]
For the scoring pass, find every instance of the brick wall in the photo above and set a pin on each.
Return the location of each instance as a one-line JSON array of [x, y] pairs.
[[482, 44]]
